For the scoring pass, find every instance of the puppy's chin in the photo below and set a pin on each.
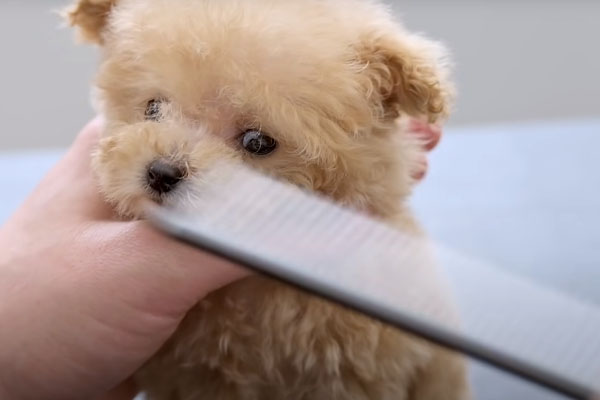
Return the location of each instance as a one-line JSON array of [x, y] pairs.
[[134, 208], [135, 205], [138, 207]]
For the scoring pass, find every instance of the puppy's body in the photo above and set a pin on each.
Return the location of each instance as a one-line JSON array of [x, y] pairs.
[[311, 92], [258, 339]]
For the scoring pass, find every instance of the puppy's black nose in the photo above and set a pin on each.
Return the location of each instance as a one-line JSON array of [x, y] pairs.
[[163, 176]]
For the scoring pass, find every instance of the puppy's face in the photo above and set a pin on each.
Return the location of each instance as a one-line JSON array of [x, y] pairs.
[[309, 91]]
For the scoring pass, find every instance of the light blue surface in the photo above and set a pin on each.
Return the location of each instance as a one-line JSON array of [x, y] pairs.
[[523, 198], [19, 174]]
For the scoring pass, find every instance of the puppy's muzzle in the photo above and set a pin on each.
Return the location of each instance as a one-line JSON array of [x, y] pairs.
[[164, 176]]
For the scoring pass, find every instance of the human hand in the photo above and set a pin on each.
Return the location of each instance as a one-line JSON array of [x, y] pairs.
[[86, 300], [430, 135]]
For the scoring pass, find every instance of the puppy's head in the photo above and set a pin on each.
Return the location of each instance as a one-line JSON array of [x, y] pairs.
[[309, 91]]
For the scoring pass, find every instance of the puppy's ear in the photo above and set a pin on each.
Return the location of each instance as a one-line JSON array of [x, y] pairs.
[[91, 17], [406, 76]]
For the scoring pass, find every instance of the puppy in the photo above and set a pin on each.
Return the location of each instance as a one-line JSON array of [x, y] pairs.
[[311, 92]]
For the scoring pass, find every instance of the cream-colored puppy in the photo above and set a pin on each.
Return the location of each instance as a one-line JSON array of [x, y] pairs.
[[310, 91]]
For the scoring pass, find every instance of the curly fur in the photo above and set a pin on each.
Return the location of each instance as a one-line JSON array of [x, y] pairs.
[[331, 80]]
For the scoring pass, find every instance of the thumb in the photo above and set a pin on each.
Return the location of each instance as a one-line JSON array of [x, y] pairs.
[[176, 275]]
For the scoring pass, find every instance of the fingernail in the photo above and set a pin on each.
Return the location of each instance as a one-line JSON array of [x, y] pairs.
[[421, 172]]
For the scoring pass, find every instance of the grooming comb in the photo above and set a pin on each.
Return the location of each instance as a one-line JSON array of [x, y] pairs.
[[347, 257]]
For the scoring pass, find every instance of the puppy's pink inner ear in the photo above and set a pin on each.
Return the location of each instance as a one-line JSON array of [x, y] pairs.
[[91, 17]]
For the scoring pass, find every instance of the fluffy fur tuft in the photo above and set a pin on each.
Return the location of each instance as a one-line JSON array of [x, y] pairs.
[[90, 16], [331, 81]]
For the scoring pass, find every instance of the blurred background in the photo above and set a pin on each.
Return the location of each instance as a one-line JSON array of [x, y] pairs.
[[515, 61], [515, 183]]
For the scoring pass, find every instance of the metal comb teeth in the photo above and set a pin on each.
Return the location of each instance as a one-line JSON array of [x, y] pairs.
[[312, 243]]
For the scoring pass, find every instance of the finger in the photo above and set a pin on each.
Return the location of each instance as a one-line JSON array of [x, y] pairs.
[[81, 152], [430, 134], [69, 190], [75, 171], [86, 141], [421, 169], [176, 276], [77, 159], [211, 272], [125, 391]]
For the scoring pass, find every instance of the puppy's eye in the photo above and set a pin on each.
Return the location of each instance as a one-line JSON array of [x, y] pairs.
[[153, 110], [257, 143]]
